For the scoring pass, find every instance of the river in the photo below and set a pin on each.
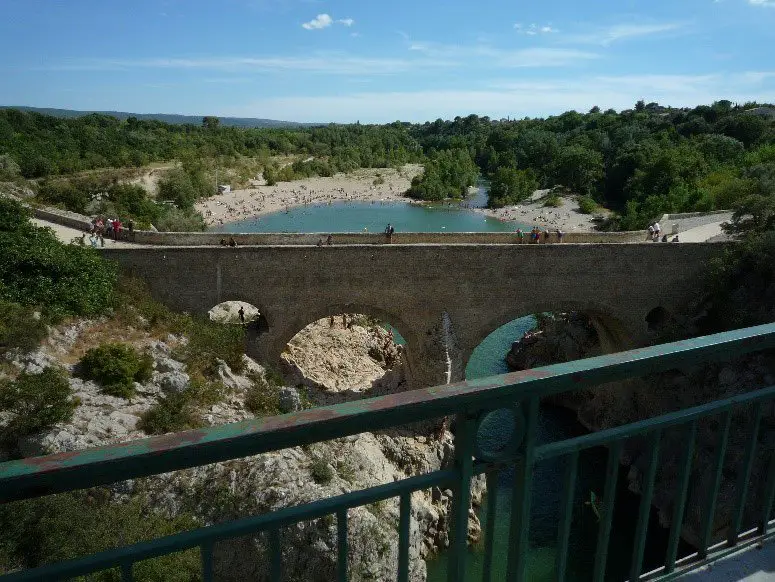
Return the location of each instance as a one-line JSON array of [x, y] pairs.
[[373, 217]]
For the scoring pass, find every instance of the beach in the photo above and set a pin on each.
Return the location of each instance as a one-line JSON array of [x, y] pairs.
[[533, 212], [261, 199]]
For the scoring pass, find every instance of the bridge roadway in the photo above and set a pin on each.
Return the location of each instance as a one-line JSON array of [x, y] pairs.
[[444, 299]]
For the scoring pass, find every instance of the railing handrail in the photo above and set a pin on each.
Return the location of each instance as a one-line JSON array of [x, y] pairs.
[[37, 476]]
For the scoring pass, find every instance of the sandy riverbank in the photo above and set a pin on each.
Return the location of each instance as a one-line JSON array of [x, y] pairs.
[[533, 213], [262, 199]]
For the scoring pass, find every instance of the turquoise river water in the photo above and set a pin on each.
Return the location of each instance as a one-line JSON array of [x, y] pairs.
[[357, 216]]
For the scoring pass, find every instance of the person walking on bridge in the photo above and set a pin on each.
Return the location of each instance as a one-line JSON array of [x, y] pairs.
[[389, 230]]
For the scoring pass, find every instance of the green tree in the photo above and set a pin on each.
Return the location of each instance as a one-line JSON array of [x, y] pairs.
[[211, 122], [510, 186], [579, 169], [36, 402]]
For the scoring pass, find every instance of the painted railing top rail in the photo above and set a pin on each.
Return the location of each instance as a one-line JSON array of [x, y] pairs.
[[37, 476]]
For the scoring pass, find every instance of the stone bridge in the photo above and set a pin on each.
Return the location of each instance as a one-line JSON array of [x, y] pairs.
[[443, 299]]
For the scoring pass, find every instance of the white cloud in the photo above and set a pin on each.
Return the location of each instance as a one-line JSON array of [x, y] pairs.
[[534, 29], [325, 20], [621, 32], [327, 63], [770, 3], [320, 21], [486, 55], [515, 99]]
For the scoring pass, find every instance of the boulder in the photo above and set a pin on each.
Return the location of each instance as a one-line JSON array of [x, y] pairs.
[[290, 400], [172, 382]]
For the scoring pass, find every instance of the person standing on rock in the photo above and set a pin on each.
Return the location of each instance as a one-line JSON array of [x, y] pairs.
[[241, 313]]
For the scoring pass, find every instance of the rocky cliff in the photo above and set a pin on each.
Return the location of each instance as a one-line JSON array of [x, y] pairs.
[[330, 364], [572, 336]]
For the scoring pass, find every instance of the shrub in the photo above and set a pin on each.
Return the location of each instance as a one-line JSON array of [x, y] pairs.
[[209, 342], [19, 327], [263, 397], [37, 402], [116, 367], [71, 525], [553, 201], [180, 411], [172, 413], [322, 472], [587, 205]]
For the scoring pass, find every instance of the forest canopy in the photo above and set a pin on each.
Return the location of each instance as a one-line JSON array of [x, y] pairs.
[[641, 162]]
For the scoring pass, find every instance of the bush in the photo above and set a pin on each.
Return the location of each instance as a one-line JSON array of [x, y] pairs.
[[116, 367], [184, 186], [180, 411], [553, 201], [37, 402], [209, 342], [587, 205], [263, 397], [172, 413], [173, 219], [20, 328], [71, 525], [322, 472]]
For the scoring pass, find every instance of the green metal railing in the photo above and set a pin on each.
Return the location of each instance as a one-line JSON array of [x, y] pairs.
[[470, 402]]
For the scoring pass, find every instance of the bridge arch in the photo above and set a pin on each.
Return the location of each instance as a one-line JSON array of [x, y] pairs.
[[614, 333], [271, 342]]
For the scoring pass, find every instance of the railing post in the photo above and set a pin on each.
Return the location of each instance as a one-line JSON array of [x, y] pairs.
[[566, 514], [489, 540], [744, 476], [710, 503], [465, 434], [521, 499], [609, 498]]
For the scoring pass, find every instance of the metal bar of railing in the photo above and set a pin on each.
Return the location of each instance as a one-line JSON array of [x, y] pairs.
[[206, 555], [519, 531], [341, 544], [682, 491], [566, 514], [489, 534], [465, 436], [405, 510], [644, 511], [710, 505], [744, 476], [603, 437], [276, 556], [609, 497], [74, 470], [230, 529], [126, 572], [769, 496]]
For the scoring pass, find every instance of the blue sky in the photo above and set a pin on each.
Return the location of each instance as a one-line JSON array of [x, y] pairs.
[[414, 60]]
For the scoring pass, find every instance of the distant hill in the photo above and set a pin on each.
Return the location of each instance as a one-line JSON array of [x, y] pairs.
[[165, 117]]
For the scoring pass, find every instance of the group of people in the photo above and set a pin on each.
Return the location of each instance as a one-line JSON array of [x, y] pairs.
[[536, 233], [329, 240], [655, 230], [105, 227]]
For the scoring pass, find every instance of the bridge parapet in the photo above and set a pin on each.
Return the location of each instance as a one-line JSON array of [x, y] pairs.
[[355, 238]]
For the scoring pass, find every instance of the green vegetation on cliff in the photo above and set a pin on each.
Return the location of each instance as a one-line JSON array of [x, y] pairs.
[[38, 271]]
